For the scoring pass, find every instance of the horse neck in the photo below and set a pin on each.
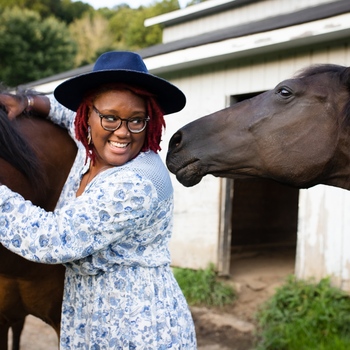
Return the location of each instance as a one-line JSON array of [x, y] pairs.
[[339, 166], [55, 151]]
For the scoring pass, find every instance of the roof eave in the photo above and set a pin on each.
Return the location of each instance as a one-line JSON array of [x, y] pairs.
[[326, 30]]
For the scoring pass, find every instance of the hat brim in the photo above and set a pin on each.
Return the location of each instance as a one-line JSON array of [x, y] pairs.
[[71, 92]]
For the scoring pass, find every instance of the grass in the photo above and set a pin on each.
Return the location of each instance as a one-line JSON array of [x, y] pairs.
[[202, 287], [303, 315]]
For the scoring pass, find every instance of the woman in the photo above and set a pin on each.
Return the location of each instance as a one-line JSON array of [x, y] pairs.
[[113, 221]]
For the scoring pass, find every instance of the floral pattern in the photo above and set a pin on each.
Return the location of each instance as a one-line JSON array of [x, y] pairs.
[[120, 292]]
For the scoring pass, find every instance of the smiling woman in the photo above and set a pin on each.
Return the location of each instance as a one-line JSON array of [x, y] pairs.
[[113, 222]]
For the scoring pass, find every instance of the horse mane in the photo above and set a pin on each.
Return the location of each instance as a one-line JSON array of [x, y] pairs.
[[15, 150], [342, 73], [320, 69]]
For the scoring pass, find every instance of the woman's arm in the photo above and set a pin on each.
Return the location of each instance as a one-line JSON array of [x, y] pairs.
[[61, 115], [114, 207]]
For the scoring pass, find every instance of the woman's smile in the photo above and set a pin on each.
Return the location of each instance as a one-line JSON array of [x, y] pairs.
[[118, 144]]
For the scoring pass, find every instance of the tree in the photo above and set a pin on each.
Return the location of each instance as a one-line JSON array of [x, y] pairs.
[[127, 25], [32, 48], [92, 37], [65, 10], [70, 11]]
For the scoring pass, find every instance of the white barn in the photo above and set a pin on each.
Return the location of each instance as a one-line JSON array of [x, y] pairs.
[[222, 51]]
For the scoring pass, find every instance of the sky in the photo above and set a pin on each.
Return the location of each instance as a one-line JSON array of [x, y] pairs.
[[132, 3]]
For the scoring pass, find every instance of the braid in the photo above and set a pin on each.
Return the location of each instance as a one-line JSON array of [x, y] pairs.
[[81, 128], [154, 127]]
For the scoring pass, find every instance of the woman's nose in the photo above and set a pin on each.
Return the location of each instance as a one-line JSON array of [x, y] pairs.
[[123, 129]]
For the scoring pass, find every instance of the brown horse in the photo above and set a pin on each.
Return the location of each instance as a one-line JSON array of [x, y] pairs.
[[297, 134], [35, 159]]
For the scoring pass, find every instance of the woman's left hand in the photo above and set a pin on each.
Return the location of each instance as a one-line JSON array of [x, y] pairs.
[[15, 104]]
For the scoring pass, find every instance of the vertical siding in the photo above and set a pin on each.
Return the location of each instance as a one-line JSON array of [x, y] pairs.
[[324, 235]]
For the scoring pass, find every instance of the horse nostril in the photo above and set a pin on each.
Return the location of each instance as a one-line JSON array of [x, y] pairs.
[[175, 141]]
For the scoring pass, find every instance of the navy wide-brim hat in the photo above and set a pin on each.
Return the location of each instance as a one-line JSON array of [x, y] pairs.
[[120, 67]]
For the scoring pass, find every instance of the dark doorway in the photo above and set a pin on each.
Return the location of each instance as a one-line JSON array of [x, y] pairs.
[[264, 213], [264, 233]]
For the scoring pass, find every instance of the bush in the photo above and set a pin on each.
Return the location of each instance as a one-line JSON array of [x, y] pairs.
[[201, 287], [305, 316]]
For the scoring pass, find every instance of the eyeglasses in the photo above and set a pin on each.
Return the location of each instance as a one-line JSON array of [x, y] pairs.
[[112, 122]]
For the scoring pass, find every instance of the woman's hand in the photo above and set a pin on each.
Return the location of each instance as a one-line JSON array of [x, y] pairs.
[[14, 104]]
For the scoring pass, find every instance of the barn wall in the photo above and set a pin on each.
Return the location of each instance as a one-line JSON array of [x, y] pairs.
[[324, 235]]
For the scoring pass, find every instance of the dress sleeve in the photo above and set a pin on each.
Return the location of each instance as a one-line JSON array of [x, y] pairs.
[[110, 210], [61, 115]]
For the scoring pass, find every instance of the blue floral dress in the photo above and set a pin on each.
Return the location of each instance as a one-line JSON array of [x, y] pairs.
[[119, 292]]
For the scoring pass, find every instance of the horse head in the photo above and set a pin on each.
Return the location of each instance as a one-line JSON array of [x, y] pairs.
[[297, 134]]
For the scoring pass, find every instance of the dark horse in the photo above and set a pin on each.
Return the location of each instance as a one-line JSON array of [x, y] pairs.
[[35, 159], [297, 133]]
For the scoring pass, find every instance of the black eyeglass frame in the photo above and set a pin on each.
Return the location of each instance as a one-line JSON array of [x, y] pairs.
[[102, 116]]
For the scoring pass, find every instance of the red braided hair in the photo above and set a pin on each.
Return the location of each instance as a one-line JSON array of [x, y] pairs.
[[154, 126]]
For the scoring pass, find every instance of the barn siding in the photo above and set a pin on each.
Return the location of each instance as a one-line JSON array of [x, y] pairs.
[[323, 235]]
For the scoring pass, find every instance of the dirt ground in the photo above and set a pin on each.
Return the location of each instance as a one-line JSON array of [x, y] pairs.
[[255, 275]]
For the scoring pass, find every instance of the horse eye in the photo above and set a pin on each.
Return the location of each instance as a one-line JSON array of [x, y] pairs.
[[284, 92]]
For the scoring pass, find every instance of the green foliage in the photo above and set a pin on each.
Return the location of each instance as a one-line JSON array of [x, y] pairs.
[[201, 287], [40, 38], [305, 316], [68, 11], [127, 25], [32, 48], [64, 10], [92, 37]]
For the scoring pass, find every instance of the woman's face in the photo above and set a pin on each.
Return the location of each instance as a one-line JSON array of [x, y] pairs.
[[117, 147]]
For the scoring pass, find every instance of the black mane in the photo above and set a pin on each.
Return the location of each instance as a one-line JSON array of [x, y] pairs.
[[342, 73], [15, 150], [320, 69]]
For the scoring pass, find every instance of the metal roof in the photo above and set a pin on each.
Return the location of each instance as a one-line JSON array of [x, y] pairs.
[[196, 11], [303, 16]]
